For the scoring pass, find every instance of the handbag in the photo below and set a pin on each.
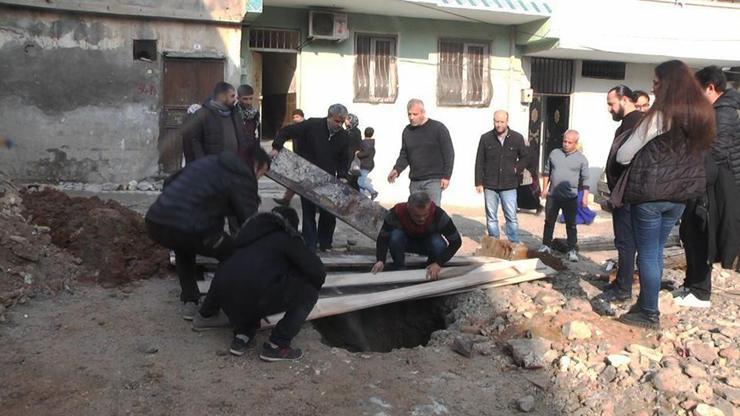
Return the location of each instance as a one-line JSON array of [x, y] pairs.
[[354, 167]]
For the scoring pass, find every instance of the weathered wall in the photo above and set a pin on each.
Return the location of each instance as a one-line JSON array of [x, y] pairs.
[[77, 104]]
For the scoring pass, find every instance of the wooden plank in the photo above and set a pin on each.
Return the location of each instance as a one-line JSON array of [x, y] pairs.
[[328, 192], [342, 304], [589, 244]]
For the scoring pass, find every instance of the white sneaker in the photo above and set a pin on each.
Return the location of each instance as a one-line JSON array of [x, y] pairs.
[[189, 309], [691, 301], [573, 256], [545, 249]]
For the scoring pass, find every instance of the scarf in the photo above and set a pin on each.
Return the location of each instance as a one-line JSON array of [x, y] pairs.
[[246, 114], [408, 225], [222, 110]]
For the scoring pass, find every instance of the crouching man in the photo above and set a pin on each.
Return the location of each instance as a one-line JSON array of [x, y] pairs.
[[188, 216], [271, 271], [417, 226]]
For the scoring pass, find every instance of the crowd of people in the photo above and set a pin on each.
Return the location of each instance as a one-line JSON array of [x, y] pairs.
[[678, 159]]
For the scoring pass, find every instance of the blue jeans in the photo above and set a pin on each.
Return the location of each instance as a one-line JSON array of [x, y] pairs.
[[400, 244], [624, 241], [508, 197], [365, 182], [651, 224]]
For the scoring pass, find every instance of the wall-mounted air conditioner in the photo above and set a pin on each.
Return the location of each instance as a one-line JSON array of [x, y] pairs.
[[327, 25]]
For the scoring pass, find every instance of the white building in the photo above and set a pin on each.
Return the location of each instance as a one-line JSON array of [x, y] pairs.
[[466, 59]]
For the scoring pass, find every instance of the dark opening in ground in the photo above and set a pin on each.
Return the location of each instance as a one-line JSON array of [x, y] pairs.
[[384, 328]]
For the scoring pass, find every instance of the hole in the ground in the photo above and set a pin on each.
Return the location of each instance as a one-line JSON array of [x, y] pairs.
[[384, 328]]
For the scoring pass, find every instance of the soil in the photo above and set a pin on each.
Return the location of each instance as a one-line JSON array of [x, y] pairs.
[[109, 238]]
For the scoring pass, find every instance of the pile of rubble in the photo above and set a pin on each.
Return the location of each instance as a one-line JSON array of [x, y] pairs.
[[589, 364]]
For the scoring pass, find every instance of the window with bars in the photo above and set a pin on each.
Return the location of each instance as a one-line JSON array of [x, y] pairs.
[[274, 40], [376, 77], [603, 69], [463, 74]]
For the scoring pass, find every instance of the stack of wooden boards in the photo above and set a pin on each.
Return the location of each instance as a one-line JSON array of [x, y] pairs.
[[368, 290]]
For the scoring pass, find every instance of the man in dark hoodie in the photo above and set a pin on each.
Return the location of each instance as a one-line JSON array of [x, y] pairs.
[[323, 142], [271, 271], [215, 127], [417, 226], [188, 216]]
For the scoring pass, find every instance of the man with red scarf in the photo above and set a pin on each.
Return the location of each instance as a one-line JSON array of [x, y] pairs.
[[417, 226]]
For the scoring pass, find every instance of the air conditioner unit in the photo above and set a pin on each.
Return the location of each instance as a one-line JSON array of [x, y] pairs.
[[327, 25]]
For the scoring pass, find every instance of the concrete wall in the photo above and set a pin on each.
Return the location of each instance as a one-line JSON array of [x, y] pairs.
[[590, 116], [325, 77], [74, 100]]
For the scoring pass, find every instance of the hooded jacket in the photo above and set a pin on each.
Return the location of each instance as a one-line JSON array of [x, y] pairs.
[[196, 199], [269, 250], [726, 146]]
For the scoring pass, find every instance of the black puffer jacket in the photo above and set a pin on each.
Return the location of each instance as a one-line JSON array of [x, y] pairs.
[[726, 146], [498, 167], [666, 170], [198, 197]]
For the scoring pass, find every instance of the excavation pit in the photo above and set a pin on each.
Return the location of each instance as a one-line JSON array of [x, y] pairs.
[[384, 328]]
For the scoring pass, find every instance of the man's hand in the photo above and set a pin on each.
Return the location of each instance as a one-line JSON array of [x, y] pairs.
[[433, 271], [444, 184], [392, 176], [273, 153], [479, 189], [377, 267], [584, 202], [543, 195]]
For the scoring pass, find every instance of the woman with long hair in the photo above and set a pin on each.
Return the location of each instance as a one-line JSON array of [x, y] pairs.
[[665, 154]]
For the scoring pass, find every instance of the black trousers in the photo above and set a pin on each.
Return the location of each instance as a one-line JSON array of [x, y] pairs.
[[292, 295], [216, 244], [696, 248], [323, 234], [552, 209]]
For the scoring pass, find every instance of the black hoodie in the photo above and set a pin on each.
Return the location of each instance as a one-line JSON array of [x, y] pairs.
[[726, 146], [267, 250]]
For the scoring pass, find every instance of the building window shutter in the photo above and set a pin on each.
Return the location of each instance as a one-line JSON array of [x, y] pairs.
[[463, 74], [375, 77]]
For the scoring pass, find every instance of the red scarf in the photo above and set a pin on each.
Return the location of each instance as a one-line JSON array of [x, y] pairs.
[[408, 225]]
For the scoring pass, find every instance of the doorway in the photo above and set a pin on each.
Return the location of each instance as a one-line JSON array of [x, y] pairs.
[[278, 91], [186, 81], [549, 117]]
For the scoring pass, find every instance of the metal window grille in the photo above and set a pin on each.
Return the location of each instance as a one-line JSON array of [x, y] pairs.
[[552, 76], [603, 69], [274, 40], [375, 76], [463, 74]]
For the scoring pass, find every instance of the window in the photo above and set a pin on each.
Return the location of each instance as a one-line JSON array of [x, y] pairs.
[[552, 76], [463, 75], [274, 40], [603, 69], [145, 50], [376, 79]]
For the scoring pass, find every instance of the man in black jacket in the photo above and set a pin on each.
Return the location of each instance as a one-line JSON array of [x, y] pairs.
[[621, 105], [188, 216], [426, 148], [215, 127], [502, 157], [271, 271], [323, 142], [417, 226], [710, 225]]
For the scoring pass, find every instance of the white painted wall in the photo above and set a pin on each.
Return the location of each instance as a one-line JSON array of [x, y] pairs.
[[590, 116], [417, 79]]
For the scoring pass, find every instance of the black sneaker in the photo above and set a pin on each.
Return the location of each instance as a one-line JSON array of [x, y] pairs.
[[640, 319], [614, 295], [283, 202], [272, 354], [239, 345]]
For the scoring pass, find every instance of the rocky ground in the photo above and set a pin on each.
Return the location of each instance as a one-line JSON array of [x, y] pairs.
[[536, 348]]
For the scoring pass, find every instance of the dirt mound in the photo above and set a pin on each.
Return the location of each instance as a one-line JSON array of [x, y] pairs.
[[29, 263], [105, 235]]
